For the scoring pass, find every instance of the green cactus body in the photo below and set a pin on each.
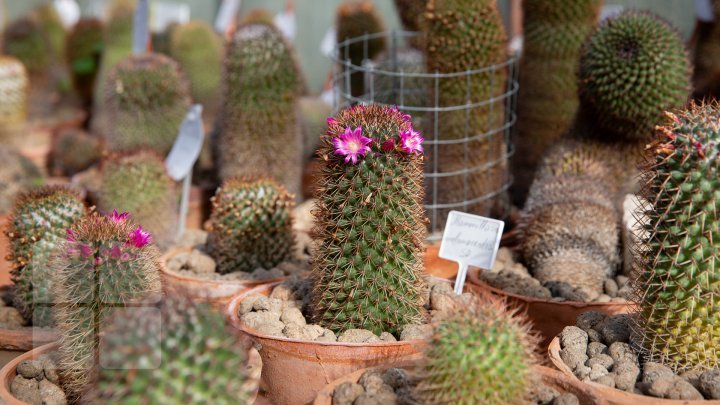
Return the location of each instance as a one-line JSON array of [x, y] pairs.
[[410, 13], [138, 184], [199, 52], [83, 54], [73, 151], [464, 35], [146, 101], [118, 41], [17, 173], [676, 262], [13, 95], [260, 134], [554, 32], [53, 28], [150, 353], [25, 40], [250, 225], [38, 225], [105, 264], [481, 354], [354, 19], [370, 223]]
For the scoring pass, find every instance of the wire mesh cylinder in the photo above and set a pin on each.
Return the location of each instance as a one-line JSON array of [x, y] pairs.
[[466, 119]]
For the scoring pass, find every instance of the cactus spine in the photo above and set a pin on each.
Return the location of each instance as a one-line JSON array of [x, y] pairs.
[[676, 268], [370, 222], [105, 264], [260, 133], [83, 54], [250, 225]]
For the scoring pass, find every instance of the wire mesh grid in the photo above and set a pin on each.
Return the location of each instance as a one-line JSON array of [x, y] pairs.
[[467, 119]]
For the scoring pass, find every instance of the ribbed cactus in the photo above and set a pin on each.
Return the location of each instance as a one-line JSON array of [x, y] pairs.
[[106, 264], [250, 225], [175, 352], [260, 134], [38, 224], [554, 32], [370, 222], [83, 54], [25, 40], [117, 37], [199, 52], [706, 57], [138, 183], [17, 173], [53, 29], [677, 276], [481, 354], [13, 94], [146, 100], [73, 151], [462, 35], [354, 19]]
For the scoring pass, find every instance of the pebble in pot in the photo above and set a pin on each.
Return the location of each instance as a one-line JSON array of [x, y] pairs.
[[36, 382]]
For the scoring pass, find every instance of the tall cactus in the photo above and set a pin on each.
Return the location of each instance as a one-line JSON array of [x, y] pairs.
[[137, 183], [370, 222], [250, 225], [83, 54], [25, 40], [676, 270], [117, 35], [17, 173], [14, 95], [260, 134], [38, 225], [554, 32], [106, 264], [53, 29]]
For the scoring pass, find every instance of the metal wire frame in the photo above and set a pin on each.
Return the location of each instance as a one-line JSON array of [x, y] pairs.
[[411, 87]]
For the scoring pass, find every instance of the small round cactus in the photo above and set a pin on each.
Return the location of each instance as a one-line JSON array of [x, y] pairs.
[[73, 151]]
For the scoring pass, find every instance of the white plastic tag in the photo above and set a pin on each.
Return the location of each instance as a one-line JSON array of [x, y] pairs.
[[141, 35], [329, 41], [470, 240], [69, 12], [285, 22], [704, 10], [187, 146], [164, 13], [226, 15]]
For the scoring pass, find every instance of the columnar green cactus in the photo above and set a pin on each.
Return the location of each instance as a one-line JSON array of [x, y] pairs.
[[146, 100], [481, 354], [73, 151], [354, 19], [370, 222], [199, 52], [150, 353], [117, 38], [38, 225], [84, 49], [676, 268], [138, 183], [462, 35], [554, 32], [16, 174], [52, 27], [250, 225], [13, 94], [260, 134], [706, 57], [25, 40], [105, 264]]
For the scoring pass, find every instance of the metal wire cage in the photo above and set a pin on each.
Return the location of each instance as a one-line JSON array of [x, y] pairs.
[[466, 119]]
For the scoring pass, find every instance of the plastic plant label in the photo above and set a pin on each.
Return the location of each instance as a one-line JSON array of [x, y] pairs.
[[226, 15], [69, 12], [141, 36], [164, 13], [704, 10], [329, 41], [285, 22], [187, 146], [470, 240]]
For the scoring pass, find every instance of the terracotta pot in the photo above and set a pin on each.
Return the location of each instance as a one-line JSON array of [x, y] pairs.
[[612, 395], [8, 372], [295, 370], [549, 376], [437, 267], [549, 317]]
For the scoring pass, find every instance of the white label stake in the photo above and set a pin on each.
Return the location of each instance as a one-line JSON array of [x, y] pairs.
[[470, 240], [141, 33]]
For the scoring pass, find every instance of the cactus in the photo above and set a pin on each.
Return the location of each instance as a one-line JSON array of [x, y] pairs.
[[149, 353], [410, 12], [250, 225], [118, 41], [199, 52], [38, 225], [260, 133], [676, 271], [481, 354], [706, 57], [462, 35], [53, 29], [354, 19], [554, 32], [105, 264], [14, 101], [369, 222], [83, 53], [16, 174], [137, 183], [25, 40], [146, 101], [73, 151]]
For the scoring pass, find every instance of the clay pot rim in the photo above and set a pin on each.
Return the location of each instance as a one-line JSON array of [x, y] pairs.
[[613, 394], [473, 278]]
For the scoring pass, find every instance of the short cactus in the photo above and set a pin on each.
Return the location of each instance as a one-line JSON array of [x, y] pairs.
[[73, 151], [25, 40], [250, 225], [676, 271], [38, 225], [370, 222], [105, 264], [17, 173], [83, 54], [13, 96], [481, 354], [138, 183], [147, 99], [146, 355], [260, 133]]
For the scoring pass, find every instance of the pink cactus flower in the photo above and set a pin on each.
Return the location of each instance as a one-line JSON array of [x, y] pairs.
[[388, 145], [115, 252], [70, 235], [352, 144], [411, 142], [85, 250], [117, 217], [331, 121], [139, 238]]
